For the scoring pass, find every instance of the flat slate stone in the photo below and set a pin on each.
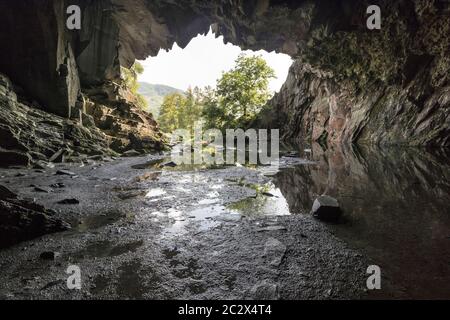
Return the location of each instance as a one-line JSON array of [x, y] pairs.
[[65, 173], [69, 201], [5, 193]]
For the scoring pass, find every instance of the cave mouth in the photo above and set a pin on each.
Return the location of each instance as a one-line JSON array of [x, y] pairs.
[[199, 65], [202, 62]]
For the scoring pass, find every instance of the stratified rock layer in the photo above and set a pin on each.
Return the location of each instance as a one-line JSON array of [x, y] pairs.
[[29, 134], [104, 127]]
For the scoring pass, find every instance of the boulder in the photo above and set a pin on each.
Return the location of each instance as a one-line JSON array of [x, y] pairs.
[[10, 158], [131, 153], [274, 252], [21, 221], [69, 201], [5, 193], [326, 208]]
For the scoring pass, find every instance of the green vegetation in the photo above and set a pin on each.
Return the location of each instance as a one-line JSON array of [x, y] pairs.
[[155, 94], [241, 93], [181, 110], [130, 77], [235, 103]]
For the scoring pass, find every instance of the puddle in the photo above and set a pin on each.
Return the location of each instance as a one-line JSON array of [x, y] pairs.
[[208, 201], [204, 219], [130, 283], [168, 165], [269, 201], [103, 249], [98, 221], [270, 204], [397, 206], [154, 193]]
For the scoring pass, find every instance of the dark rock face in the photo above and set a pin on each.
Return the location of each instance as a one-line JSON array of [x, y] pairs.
[[126, 126], [39, 57], [350, 84], [109, 125], [29, 134], [313, 106]]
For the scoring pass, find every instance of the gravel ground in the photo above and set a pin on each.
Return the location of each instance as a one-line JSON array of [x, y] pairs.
[[141, 232]]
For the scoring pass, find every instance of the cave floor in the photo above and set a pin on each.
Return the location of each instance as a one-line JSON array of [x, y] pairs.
[[159, 234], [145, 232]]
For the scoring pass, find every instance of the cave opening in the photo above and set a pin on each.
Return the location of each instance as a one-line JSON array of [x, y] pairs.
[[197, 69]]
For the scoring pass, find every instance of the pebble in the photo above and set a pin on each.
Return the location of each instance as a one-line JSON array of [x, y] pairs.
[[65, 173], [49, 255], [69, 201]]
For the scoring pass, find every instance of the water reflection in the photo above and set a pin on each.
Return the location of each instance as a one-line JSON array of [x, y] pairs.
[[397, 206], [269, 201]]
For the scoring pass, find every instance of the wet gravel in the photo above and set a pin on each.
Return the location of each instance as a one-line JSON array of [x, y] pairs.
[[146, 232]]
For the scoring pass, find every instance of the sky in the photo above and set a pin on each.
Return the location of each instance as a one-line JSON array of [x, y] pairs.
[[202, 62]]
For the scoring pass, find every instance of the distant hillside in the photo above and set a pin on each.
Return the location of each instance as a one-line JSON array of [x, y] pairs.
[[154, 94]]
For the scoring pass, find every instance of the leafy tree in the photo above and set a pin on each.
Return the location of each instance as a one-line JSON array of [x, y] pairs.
[[241, 93], [180, 111], [213, 114], [130, 82], [169, 117]]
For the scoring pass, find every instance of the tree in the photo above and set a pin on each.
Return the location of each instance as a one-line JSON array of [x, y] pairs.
[[241, 93], [181, 111], [214, 116], [169, 117], [129, 77]]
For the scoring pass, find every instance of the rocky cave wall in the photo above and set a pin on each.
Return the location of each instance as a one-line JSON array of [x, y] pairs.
[[389, 87], [348, 84]]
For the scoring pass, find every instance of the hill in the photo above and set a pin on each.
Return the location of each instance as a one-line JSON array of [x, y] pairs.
[[154, 94]]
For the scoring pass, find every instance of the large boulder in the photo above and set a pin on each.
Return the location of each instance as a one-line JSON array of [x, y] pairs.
[[326, 208], [22, 220], [10, 158]]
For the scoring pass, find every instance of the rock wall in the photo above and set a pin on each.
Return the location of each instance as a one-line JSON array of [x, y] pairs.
[[29, 135], [313, 106], [108, 126], [36, 53], [386, 87]]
